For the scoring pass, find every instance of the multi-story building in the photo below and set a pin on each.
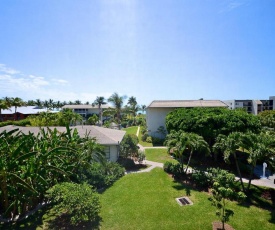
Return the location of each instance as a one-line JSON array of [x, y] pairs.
[[85, 110], [252, 106]]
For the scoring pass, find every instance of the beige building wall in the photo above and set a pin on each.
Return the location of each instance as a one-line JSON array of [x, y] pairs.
[[155, 117]]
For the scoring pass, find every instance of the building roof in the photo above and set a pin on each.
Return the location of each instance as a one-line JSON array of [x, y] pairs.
[[102, 135], [186, 103], [25, 110], [85, 106]]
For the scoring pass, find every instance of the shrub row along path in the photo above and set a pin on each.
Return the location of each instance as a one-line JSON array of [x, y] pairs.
[[267, 182]]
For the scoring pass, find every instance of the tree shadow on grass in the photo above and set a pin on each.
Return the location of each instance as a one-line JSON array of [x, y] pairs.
[[261, 197], [63, 222], [180, 185]]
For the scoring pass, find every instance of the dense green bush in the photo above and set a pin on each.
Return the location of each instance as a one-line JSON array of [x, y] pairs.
[[124, 124], [208, 177], [128, 146], [80, 201], [140, 121], [127, 163], [167, 166], [172, 168], [144, 136], [143, 129], [201, 178], [24, 122], [149, 139], [101, 175], [158, 141]]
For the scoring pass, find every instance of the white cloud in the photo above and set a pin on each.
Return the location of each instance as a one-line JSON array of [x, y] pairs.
[[23, 82], [7, 70], [59, 81], [32, 87]]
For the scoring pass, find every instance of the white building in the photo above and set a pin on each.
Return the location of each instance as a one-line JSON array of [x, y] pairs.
[[85, 110], [251, 105], [156, 112]]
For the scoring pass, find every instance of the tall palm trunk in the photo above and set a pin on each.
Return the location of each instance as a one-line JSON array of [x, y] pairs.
[[188, 163], [238, 170]]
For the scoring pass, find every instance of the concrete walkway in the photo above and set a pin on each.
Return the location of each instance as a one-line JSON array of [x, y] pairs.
[[152, 166]]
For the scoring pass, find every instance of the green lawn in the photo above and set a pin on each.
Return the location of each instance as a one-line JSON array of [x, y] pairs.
[[131, 130], [143, 143], [147, 201], [158, 155]]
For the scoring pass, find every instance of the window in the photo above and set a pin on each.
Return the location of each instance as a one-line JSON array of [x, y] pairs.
[[107, 152]]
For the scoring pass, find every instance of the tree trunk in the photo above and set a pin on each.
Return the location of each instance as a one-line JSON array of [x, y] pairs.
[[250, 177], [239, 171], [188, 162]]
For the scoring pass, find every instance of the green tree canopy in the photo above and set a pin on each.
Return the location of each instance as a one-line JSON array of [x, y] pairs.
[[267, 118], [210, 122]]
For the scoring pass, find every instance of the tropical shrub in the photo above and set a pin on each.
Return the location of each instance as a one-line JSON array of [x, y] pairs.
[[128, 146], [149, 139], [80, 201], [144, 136], [172, 168], [127, 163], [101, 175], [141, 156], [222, 190], [31, 164], [157, 141]]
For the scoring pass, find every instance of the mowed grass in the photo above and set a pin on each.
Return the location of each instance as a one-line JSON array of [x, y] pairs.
[[143, 143], [131, 130], [158, 155], [147, 201]]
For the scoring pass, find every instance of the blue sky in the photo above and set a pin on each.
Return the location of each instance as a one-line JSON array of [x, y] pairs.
[[150, 49]]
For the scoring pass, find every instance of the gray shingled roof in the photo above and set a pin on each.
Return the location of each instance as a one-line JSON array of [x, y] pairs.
[[85, 107], [103, 136], [186, 103]]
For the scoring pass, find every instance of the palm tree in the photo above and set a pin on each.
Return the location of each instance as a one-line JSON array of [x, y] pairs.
[[76, 117], [77, 102], [99, 101], [143, 107], [38, 103], [30, 103], [181, 144], [133, 107], [229, 146], [47, 104], [117, 102], [4, 104], [17, 102], [259, 147]]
